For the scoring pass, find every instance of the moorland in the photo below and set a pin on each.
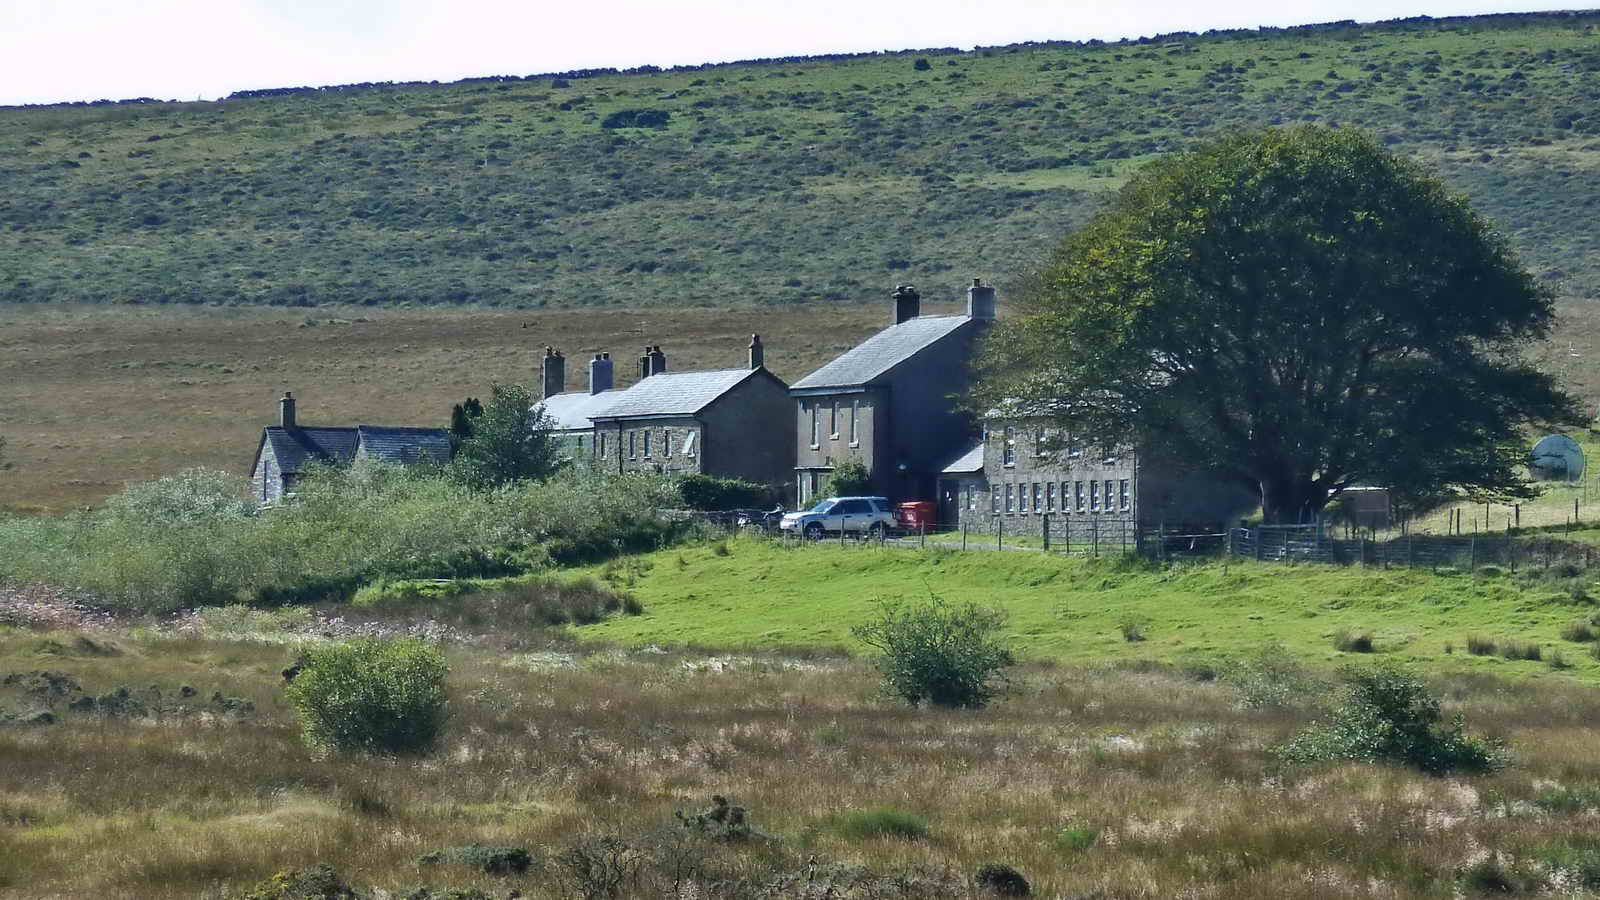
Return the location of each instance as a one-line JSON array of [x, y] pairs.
[[1114, 767]]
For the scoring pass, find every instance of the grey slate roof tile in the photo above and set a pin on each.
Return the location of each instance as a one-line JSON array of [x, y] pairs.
[[672, 394], [571, 410], [883, 351], [295, 447], [967, 462], [403, 444]]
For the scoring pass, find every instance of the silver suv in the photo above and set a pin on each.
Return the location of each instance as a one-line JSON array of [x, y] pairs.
[[871, 516]]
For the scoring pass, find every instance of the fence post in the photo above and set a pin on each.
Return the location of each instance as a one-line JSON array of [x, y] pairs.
[[1256, 537], [1411, 559], [922, 535], [1094, 535], [999, 534], [1516, 510], [963, 534], [1472, 557], [1066, 536], [1044, 526], [844, 523]]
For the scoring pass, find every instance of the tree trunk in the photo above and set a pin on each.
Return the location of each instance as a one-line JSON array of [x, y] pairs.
[[1288, 501]]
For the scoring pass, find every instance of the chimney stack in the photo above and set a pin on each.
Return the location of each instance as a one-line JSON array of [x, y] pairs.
[[658, 361], [644, 364], [286, 410], [980, 300], [907, 303], [553, 372], [600, 373], [758, 353]]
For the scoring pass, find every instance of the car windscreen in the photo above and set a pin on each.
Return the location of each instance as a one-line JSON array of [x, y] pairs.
[[823, 506]]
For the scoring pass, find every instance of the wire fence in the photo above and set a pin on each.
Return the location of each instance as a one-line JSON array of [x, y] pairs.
[[1094, 537]]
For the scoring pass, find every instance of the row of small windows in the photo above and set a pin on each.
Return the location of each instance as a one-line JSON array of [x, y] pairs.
[[1044, 442], [650, 439], [1110, 495], [854, 411]]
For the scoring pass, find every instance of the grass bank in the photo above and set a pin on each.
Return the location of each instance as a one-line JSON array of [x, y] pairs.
[[748, 593]]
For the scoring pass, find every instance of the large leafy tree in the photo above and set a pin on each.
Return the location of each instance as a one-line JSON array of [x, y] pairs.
[[1297, 310], [511, 440]]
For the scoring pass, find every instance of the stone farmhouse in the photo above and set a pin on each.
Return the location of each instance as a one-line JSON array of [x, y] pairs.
[[731, 423], [287, 449], [892, 403]]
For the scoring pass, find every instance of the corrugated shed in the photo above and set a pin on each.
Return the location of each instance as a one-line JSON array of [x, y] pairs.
[[673, 394], [883, 351]]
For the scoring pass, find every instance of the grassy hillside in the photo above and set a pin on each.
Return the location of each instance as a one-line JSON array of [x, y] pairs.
[[760, 595], [781, 182]]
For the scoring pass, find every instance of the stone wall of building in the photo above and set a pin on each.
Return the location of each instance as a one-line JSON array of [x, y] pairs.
[[748, 432]]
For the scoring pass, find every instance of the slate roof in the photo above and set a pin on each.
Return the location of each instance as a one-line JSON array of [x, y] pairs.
[[294, 447], [571, 410], [403, 444], [883, 351], [673, 394], [967, 462]]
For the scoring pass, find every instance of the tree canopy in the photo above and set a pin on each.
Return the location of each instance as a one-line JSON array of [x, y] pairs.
[[509, 440], [1298, 310]]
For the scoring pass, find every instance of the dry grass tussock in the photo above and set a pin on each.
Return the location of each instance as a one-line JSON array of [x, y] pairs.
[[1106, 783]]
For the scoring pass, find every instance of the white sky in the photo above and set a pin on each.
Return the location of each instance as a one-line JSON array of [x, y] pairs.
[[54, 50]]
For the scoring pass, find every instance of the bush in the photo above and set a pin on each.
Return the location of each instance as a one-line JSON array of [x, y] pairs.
[[707, 492], [946, 655], [486, 858], [371, 695], [883, 822], [1076, 838], [1479, 645], [849, 479], [1001, 880], [1388, 715], [1578, 632], [1515, 650], [1347, 641], [1132, 630]]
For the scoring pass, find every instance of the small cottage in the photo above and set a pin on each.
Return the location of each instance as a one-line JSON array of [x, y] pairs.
[[287, 449]]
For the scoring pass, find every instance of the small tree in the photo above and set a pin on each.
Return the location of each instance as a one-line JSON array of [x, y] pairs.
[[511, 440], [947, 655], [371, 695], [461, 416]]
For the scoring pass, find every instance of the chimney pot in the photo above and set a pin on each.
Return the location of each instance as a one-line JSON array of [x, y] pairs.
[[658, 361], [552, 373], [980, 300], [600, 375], [907, 303], [758, 355], [286, 411]]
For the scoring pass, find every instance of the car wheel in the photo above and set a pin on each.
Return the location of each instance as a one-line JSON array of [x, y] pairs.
[[814, 531], [875, 531]]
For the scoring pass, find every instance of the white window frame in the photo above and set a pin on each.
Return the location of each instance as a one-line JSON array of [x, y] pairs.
[[833, 419], [666, 443], [688, 443], [815, 433], [1050, 496], [855, 416], [1094, 495], [1124, 494], [648, 433], [1008, 449], [1009, 507], [1077, 496]]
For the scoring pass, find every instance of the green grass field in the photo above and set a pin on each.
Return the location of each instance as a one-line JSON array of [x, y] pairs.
[[763, 596]]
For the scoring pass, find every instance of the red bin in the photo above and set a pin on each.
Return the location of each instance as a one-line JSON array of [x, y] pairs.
[[916, 513]]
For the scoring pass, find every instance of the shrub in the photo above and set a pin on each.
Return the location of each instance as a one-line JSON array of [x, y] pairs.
[[708, 492], [1562, 799], [1388, 715], [1578, 632], [1001, 880], [946, 655], [849, 478], [1515, 650], [1479, 645], [860, 824], [320, 883], [485, 858], [371, 695], [1348, 641], [1132, 630], [1272, 678]]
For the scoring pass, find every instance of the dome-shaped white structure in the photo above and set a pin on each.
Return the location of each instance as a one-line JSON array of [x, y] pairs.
[[1557, 457]]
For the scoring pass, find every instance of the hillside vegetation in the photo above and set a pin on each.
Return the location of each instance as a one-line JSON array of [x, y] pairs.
[[779, 182]]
